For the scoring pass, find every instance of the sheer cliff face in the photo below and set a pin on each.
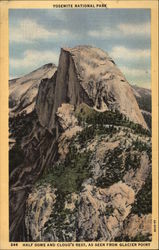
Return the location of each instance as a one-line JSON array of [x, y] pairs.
[[89, 75]]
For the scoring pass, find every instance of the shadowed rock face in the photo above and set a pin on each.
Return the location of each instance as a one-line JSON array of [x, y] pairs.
[[89, 75], [84, 75], [143, 97]]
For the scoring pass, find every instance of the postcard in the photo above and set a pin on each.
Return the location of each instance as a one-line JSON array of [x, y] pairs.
[[79, 125]]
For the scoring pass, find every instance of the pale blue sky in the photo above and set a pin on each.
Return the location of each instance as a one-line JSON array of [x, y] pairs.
[[36, 37]]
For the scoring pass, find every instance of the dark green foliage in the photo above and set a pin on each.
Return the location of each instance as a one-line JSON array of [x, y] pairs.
[[139, 237], [143, 203], [91, 116], [58, 218], [16, 157], [114, 169], [142, 146], [89, 132], [116, 166], [107, 117], [138, 129], [86, 134], [132, 161], [109, 211], [67, 177], [21, 125]]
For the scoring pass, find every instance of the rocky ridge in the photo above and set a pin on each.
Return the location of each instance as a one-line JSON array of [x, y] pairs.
[[23, 90]]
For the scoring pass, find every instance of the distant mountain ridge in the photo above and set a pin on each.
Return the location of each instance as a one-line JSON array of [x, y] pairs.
[[23, 90]]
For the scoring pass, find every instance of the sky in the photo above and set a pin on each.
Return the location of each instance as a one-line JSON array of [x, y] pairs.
[[37, 35]]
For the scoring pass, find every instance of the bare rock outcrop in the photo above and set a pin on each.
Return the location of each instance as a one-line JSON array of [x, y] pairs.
[[39, 208], [102, 211], [138, 225], [66, 117]]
